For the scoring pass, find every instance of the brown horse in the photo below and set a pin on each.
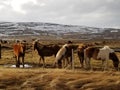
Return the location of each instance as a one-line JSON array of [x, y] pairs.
[[103, 54], [45, 50], [80, 53], [19, 51]]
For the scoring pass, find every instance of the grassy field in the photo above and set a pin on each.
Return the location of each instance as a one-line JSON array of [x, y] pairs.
[[38, 78]]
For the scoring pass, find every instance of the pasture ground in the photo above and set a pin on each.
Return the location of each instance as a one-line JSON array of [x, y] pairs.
[[38, 78]]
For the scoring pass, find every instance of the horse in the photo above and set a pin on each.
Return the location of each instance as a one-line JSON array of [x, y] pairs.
[[103, 54], [65, 52], [45, 50], [80, 53], [19, 51]]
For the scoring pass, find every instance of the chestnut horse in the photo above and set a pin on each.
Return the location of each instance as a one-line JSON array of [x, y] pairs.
[[19, 51]]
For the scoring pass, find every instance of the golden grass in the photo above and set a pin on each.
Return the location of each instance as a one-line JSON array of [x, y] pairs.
[[57, 79], [38, 78]]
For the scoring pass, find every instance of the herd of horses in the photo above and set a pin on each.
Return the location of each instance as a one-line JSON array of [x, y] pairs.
[[63, 54]]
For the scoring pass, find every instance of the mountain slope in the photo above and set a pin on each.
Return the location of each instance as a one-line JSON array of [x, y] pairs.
[[40, 28], [35, 28]]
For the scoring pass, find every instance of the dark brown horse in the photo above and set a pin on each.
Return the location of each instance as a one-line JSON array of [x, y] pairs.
[[103, 54], [45, 50], [19, 51]]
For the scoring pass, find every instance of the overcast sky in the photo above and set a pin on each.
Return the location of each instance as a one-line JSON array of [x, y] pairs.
[[97, 13]]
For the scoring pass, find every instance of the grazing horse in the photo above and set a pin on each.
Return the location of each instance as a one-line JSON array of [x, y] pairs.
[[65, 52], [45, 50], [103, 54], [19, 51]]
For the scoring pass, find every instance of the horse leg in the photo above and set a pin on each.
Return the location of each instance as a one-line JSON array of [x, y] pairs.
[[39, 61], [59, 64], [87, 62], [104, 65], [54, 64], [81, 61], [18, 61], [80, 58], [66, 61], [71, 62], [23, 61], [43, 61]]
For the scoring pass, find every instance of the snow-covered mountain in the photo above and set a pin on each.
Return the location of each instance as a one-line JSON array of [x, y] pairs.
[[39, 28]]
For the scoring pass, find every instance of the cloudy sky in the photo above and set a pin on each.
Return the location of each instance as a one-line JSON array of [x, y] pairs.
[[97, 13]]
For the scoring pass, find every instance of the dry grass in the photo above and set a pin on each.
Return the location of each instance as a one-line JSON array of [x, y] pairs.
[[37, 78], [56, 79]]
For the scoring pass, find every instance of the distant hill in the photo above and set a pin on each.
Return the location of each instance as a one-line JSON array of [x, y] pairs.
[[8, 29]]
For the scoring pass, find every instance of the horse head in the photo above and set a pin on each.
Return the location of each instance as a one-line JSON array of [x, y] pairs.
[[35, 44]]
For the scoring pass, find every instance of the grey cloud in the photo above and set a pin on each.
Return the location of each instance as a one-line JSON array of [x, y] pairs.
[[98, 13]]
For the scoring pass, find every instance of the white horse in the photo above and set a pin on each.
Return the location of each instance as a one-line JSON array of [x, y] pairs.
[[61, 54], [64, 54], [103, 54]]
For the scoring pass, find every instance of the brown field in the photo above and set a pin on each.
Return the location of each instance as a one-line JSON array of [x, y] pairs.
[[38, 78]]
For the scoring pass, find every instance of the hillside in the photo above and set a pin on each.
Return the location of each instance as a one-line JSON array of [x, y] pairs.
[[8, 29]]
